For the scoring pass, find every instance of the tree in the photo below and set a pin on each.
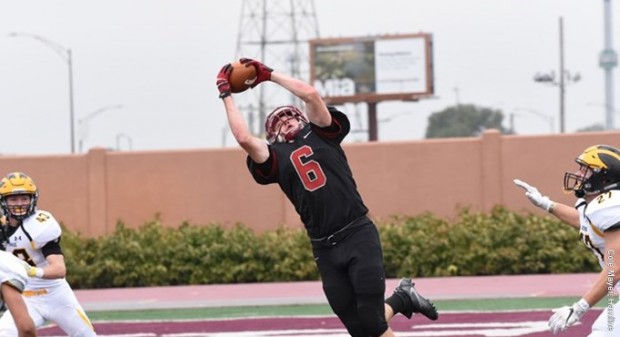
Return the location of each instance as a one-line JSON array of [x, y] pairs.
[[592, 128], [463, 120]]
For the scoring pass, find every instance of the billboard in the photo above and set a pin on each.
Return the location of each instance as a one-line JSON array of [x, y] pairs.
[[372, 69]]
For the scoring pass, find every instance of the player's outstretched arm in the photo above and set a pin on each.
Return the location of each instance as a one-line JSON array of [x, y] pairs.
[[563, 212], [568, 214], [315, 107], [256, 148], [316, 110]]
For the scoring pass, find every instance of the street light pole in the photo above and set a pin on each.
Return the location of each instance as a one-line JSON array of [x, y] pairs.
[[608, 59], [563, 80], [534, 112], [561, 77], [83, 122], [65, 54], [126, 137], [71, 110]]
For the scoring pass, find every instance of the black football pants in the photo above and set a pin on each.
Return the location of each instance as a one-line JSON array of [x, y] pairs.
[[354, 281]]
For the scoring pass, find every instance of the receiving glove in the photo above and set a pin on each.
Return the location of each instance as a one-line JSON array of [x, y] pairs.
[[535, 197], [222, 80], [263, 73], [32, 271], [567, 316]]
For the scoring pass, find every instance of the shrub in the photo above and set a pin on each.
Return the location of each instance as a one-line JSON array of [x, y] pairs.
[[496, 243]]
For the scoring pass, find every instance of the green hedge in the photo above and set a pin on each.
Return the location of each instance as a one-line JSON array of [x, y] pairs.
[[498, 243]]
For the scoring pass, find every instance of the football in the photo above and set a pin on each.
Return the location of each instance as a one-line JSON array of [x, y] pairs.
[[241, 77]]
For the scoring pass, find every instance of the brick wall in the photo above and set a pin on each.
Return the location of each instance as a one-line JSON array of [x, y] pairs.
[[90, 192]]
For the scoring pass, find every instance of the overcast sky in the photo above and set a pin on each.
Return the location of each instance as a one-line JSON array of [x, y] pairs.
[[159, 59]]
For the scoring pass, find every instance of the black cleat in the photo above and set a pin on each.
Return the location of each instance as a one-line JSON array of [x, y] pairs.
[[419, 304]]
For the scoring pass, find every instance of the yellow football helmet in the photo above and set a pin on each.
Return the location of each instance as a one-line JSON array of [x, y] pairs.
[[17, 183], [601, 171]]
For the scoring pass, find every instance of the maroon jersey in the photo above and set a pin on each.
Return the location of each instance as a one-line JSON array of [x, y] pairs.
[[313, 172]]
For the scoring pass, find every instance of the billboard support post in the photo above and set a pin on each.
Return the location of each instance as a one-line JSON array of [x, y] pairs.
[[373, 133]]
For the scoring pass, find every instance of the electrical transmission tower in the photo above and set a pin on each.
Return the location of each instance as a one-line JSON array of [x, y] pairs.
[[276, 32]]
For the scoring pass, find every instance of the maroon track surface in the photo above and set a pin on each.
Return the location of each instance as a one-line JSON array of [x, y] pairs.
[[449, 324]]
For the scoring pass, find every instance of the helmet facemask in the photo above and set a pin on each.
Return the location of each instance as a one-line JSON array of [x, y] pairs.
[[579, 183], [20, 211], [277, 120]]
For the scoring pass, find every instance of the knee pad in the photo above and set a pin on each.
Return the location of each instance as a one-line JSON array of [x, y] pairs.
[[373, 321], [352, 321], [371, 312]]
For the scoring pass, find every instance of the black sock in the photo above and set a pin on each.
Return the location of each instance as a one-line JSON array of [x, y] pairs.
[[397, 302]]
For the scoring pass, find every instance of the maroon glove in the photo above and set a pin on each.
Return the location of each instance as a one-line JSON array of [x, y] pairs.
[[222, 80], [263, 73]]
